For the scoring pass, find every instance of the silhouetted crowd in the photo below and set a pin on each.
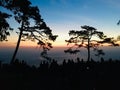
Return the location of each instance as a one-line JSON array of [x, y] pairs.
[[70, 75]]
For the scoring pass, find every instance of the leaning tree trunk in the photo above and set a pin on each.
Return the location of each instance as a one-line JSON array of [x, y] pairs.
[[88, 47], [18, 44]]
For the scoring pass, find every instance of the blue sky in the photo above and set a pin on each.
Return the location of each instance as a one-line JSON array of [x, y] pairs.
[[64, 15]]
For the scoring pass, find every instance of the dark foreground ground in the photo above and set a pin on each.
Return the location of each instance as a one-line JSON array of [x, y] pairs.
[[80, 75]]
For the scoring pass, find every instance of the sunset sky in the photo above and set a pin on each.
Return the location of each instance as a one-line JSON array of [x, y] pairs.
[[64, 15]]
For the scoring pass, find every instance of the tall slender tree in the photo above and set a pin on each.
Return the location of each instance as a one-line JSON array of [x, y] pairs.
[[25, 14], [84, 38]]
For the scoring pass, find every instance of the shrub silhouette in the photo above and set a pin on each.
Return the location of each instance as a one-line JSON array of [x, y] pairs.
[[80, 75]]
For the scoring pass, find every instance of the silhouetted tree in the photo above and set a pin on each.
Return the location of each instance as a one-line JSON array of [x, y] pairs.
[[83, 38], [4, 26], [118, 23], [118, 37], [25, 15], [111, 41]]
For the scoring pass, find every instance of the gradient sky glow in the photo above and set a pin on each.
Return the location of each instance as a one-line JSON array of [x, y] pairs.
[[64, 15]]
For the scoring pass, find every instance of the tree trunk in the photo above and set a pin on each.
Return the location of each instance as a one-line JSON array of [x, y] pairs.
[[18, 44], [88, 47]]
